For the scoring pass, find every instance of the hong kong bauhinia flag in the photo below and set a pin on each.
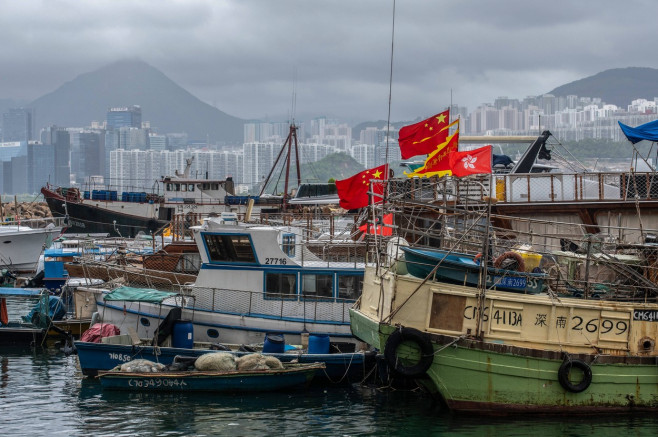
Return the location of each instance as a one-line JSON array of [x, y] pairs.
[[353, 191], [476, 161], [422, 138]]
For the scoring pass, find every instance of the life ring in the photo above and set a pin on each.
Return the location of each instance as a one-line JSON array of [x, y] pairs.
[[520, 264], [400, 336], [565, 369]]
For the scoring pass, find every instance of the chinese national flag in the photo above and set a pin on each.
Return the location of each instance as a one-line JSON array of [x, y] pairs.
[[471, 162], [379, 227], [353, 191], [437, 163], [423, 138]]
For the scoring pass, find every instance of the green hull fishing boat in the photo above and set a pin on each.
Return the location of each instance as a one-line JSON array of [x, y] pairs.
[[493, 378]]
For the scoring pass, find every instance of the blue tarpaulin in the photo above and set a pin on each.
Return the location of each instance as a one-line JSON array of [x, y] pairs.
[[646, 131], [56, 310]]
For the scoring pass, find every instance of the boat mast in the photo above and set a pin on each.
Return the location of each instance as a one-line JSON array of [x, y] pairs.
[[292, 136]]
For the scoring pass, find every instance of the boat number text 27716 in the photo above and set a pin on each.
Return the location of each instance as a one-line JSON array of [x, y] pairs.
[[276, 261], [515, 318]]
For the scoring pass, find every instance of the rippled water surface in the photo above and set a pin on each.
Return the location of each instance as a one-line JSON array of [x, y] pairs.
[[43, 393]]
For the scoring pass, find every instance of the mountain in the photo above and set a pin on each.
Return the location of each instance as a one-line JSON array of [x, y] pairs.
[[618, 86], [166, 105]]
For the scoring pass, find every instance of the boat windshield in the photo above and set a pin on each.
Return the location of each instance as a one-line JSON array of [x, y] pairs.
[[229, 248]]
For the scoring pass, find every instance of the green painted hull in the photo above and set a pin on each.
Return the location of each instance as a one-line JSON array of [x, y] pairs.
[[474, 376]]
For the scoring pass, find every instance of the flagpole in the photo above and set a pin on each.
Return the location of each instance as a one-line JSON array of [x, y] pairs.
[[482, 283]]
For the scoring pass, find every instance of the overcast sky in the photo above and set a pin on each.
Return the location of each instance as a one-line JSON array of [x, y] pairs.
[[246, 57]]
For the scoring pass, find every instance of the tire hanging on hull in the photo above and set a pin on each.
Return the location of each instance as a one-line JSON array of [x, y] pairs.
[[423, 342]]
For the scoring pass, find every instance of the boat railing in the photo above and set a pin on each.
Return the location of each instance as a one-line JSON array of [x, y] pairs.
[[272, 305], [532, 187], [36, 223], [123, 272]]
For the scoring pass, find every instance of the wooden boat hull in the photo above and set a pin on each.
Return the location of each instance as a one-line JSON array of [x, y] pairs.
[[491, 378], [339, 367], [74, 326], [251, 381]]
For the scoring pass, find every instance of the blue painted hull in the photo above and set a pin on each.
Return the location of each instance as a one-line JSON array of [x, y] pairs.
[[458, 268], [340, 367], [251, 381]]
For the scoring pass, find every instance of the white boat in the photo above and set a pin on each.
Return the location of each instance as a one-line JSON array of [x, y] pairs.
[[21, 245], [254, 280]]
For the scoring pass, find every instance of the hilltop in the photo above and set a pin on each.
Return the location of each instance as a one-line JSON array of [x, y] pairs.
[[168, 107], [618, 86]]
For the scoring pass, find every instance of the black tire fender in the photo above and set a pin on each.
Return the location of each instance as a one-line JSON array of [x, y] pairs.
[[565, 369], [421, 339]]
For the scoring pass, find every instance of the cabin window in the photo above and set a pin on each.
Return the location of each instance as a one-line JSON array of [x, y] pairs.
[[288, 244], [190, 187], [177, 187], [170, 187], [215, 186], [183, 187], [280, 285], [229, 248], [350, 286], [317, 286]]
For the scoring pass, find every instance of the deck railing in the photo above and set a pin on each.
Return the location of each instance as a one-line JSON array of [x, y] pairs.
[[532, 188]]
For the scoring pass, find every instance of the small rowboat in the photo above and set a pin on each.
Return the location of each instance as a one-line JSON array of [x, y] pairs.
[[463, 269], [292, 375]]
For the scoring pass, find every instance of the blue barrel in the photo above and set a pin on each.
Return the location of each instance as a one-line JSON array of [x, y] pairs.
[[318, 344], [183, 335], [274, 343]]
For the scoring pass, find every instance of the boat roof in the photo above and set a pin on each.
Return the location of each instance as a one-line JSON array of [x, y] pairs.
[[132, 294], [20, 292]]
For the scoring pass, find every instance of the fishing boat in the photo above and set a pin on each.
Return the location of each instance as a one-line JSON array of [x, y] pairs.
[[586, 343], [340, 367], [106, 211], [292, 375], [25, 331], [256, 279], [461, 268], [22, 243]]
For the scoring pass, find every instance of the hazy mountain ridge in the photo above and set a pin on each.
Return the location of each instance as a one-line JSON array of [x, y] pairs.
[[617, 86], [170, 108], [165, 104]]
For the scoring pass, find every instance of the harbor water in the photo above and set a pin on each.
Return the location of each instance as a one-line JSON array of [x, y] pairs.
[[43, 393]]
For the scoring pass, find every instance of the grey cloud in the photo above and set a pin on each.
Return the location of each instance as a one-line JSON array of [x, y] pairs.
[[243, 56]]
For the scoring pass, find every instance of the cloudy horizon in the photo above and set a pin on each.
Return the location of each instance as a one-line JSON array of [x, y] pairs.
[[249, 58]]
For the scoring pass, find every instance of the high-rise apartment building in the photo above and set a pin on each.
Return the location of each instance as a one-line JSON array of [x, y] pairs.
[[124, 117], [17, 125]]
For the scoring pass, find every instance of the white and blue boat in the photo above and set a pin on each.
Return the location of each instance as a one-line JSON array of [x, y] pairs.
[[256, 280], [172, 337]]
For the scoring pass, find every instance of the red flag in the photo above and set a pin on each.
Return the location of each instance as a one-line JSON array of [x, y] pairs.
[[353, 191], [471, 162], [437, 163], [379, 227], [423, 137]]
